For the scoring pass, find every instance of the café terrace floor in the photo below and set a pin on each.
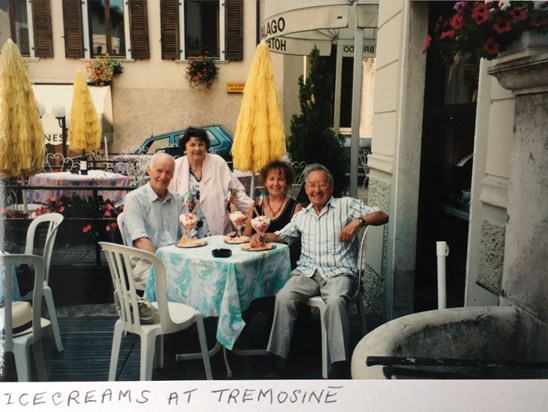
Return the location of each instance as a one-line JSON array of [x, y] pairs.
[[87, 336]]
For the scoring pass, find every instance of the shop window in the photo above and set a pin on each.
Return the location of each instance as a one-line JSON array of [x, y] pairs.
[[23, 18], [197, 27]]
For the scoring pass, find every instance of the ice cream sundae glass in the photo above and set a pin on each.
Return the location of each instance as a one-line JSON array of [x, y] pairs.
[[188, 222], [238, 220], [260, 224]]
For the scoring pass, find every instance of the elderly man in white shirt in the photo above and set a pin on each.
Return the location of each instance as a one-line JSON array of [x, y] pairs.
[[151, 213], [327, 266]]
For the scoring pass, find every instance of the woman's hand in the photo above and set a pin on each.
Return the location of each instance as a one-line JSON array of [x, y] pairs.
[[256, 241]]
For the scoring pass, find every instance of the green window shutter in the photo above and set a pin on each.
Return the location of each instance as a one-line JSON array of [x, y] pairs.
[[138, 29], [72, 23], [234, 36], [169, 15], [41, 20]]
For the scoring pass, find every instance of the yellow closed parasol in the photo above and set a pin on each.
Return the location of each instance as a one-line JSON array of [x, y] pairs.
[[85, 131], [22, 148], [260, 135]]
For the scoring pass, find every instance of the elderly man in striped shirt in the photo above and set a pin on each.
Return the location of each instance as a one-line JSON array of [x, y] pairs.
[[327, 267]]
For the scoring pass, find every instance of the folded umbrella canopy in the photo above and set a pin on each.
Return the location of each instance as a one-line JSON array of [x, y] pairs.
[[22, 148], [260, 135], [85, 131]]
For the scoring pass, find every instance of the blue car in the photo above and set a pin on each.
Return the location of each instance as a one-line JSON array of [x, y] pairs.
[[220, 138]]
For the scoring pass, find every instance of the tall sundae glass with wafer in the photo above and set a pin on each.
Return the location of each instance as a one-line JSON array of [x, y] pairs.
[[238, 219], [188, 223], [260, 224]]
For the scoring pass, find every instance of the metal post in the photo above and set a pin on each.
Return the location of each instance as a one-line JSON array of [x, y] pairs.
[[356, 106], [442, 251], [63, 125]]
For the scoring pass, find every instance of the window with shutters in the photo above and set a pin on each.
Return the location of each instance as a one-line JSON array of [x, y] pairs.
[[202, 27], [28, 24], [106, 27], [96, 27]]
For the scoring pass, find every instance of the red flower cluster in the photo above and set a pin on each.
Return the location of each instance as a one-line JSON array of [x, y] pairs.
[[483, 29], [201, 71], [101, 70]]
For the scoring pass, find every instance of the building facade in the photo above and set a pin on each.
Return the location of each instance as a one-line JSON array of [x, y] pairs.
[[154, 41]]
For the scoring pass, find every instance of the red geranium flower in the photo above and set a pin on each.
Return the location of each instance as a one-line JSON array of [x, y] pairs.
[[447, 34], [457, 21], [480, 13], [491, 46], [502, 26], [518, 13]]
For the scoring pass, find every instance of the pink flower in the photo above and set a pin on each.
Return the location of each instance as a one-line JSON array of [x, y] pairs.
[[86, 228]]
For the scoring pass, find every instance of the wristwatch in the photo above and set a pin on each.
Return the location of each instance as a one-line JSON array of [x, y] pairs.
[[362, 221]]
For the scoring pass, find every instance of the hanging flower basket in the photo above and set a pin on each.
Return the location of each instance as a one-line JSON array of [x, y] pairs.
[[201, 72], [483, 29], [101, 70]]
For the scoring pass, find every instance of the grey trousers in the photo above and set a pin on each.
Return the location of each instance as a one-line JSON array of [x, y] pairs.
[[336, 293]]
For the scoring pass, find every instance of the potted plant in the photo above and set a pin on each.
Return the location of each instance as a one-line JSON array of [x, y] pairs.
[[201, 72], [484, 29], [101, 70]]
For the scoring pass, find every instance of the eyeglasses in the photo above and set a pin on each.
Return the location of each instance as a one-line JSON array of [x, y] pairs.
[[321, 185]]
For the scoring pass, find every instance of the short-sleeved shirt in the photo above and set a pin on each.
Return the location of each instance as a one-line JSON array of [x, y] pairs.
[[146, 215], [321, 248]]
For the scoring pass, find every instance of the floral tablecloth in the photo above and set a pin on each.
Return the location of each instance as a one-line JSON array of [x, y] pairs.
[[221, 287], [94, 178]]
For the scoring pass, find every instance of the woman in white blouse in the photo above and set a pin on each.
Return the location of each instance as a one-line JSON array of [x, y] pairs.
[[209, 179]]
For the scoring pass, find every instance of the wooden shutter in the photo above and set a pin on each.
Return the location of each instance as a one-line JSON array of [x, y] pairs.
[[169, 16], [138, 29], [72, 23], [41, 21], [234, 36]]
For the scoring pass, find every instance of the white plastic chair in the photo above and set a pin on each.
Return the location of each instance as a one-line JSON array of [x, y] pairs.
[[53, 220], [362, 158], [122, 228], [295, 189], [317, 302], [20, 345], [174, 316]]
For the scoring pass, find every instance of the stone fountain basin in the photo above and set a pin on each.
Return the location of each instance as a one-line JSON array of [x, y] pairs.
[[495, 334]]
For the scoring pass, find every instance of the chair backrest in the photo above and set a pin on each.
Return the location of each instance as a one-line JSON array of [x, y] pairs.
[[8, 262], [295, 189], [119, 260], [361, 261], [53, 220], [122, 228]]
